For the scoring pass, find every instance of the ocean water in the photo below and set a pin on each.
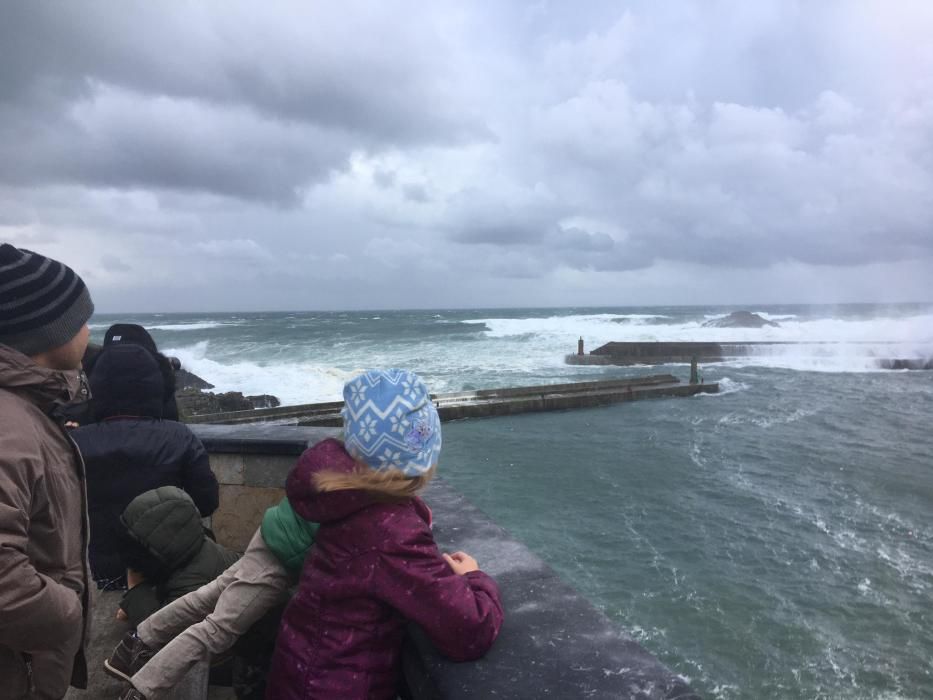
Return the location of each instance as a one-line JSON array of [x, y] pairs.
[[771, 541]]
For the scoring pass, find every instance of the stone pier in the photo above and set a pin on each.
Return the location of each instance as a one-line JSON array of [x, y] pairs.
[[487, 402]]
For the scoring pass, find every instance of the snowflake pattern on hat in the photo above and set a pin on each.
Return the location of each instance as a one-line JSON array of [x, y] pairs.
[[390, 422]]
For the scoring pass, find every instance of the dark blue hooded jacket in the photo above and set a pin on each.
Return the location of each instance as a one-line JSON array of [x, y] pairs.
[[132, 450]]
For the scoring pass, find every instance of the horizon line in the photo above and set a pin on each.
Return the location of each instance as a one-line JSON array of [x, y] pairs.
[[738, 307]]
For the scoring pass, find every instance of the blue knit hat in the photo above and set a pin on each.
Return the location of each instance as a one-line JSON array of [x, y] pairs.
[[389, 421]]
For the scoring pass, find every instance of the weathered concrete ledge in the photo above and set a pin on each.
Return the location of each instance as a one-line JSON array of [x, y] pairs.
[[488, 402], [554, 643]]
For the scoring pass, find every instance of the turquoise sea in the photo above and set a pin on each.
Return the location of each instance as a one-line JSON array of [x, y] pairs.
[[771, 541]]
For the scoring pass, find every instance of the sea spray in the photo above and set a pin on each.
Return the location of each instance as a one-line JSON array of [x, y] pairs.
[[305, 357]]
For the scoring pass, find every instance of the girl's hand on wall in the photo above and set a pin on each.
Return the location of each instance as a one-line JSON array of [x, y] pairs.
[[461, 562]]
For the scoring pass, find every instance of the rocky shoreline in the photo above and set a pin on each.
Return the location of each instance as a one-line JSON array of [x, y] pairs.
[[193, 395], [194, 399]]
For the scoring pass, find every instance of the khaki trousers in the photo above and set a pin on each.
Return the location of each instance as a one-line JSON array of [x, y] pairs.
[[208, 621]]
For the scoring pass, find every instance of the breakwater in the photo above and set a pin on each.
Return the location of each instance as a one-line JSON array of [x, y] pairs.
[[488, 402], [636, 353], [663, 352]]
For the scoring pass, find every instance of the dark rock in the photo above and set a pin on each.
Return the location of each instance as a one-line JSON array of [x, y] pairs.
[[183, 378], [264, 401], [741, 319], [188, 380], [915, 363], [193, 402]]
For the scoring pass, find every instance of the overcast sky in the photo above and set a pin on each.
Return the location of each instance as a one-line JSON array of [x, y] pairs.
[[276, 155]]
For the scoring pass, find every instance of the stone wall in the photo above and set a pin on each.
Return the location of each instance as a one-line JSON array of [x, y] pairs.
[[553, 643]]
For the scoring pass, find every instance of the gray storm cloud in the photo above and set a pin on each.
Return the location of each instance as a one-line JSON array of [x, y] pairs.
[[317, 151]]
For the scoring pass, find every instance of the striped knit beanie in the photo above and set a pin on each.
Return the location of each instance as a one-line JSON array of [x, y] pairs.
[[43, 303]]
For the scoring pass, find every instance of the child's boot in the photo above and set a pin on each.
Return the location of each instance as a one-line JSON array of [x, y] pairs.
[[130, 655], [132, 694]]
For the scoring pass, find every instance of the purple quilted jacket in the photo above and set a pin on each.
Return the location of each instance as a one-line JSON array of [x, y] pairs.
[[373, 568]]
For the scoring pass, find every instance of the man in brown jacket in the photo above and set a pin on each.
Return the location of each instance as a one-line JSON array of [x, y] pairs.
[[44, 309]]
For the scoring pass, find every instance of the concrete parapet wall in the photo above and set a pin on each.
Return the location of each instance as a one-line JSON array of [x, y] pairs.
[[240, 512], [251, 463], [554, 643]]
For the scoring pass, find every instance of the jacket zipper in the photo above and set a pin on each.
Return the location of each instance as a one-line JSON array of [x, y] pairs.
[[85, 536], [27, 659]]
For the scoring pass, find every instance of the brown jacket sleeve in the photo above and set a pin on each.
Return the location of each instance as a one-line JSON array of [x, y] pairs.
[[34, 609]]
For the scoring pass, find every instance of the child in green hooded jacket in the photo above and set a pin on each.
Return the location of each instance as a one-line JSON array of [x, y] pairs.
[[207, 622]]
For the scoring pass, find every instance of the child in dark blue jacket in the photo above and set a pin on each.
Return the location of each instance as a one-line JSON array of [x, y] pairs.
[[131, 450]]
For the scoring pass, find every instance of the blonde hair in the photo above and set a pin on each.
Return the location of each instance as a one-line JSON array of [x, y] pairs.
[[390, 485]]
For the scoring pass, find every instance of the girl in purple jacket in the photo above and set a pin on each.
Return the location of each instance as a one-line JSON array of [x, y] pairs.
[[375, 566]]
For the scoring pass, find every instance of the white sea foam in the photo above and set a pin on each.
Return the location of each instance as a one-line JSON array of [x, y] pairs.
[[514, 351], [825, 344], [775, 317], [726, 386], [292, 383], [782, 419], [202, 326], [595, 326], [915, 573], [725, 691], [766, 420], [696, 455], [189, 326], [894, 522], [637, 317]]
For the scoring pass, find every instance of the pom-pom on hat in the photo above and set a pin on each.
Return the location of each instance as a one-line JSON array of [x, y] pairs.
[[389, 421]]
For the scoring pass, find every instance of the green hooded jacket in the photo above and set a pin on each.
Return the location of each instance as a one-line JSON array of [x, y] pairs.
[[166, 523], [288, 535]]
